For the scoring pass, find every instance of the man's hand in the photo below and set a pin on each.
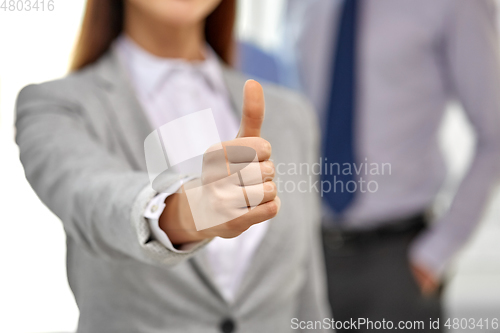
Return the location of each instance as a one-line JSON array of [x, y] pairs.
[[426, 281], [220, 193]]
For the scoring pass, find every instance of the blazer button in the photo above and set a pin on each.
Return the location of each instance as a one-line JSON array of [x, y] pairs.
[[227, 326]]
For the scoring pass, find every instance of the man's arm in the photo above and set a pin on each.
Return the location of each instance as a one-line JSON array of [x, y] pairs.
[[472, 58]]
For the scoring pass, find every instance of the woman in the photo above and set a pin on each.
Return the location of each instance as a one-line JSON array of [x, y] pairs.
[[137, 261]]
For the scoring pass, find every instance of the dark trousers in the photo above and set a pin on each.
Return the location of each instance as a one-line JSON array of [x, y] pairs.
[[369, 277]]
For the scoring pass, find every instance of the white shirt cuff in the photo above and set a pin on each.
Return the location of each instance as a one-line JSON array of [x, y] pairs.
[[155, 209]]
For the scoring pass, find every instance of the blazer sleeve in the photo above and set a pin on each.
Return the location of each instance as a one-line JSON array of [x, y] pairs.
[[100, 199]]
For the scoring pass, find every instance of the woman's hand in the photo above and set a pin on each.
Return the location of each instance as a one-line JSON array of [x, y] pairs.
[[238, 166]]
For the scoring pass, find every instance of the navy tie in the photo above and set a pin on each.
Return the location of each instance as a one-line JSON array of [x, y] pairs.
[[338, 144]]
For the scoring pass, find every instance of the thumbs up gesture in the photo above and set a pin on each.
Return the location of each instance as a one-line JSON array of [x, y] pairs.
[[236, 189]]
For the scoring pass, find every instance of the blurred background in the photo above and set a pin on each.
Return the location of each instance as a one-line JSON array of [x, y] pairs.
[[34, 293]]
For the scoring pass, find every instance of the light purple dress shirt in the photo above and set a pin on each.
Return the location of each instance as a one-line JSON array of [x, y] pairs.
[[414, 58]]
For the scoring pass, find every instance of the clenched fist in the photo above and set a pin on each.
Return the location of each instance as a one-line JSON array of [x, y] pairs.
[[236, 189]]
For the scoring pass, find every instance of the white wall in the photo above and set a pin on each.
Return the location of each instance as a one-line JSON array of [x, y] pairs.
[[35, 297], [259, 21]]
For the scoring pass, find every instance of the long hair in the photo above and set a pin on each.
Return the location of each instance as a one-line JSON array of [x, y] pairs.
[[103, 22]]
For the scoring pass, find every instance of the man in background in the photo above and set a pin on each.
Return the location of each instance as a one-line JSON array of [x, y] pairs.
[[380, 74]]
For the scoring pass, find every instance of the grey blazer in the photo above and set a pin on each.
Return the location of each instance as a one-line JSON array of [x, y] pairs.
[[81, 143]]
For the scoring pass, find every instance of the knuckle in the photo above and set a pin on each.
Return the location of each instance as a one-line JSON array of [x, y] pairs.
[[272, 209], [271, 188], [218, 200], [217, 194], [268, 171], [214, 147], [275, 189], [272, 168], [263, 146], [266, 147]]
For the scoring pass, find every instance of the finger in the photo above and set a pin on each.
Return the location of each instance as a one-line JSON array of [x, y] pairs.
[[268, 170], [238, 150], [253, 174], [261, 213], [261, 193], [249, 173], [253, 110]]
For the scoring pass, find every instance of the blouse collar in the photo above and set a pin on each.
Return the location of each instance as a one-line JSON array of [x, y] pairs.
[[148, 71]]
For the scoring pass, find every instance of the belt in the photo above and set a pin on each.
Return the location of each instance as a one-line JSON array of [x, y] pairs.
[[386, 230]]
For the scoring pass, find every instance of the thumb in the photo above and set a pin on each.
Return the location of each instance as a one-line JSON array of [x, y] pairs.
[[253, 109]]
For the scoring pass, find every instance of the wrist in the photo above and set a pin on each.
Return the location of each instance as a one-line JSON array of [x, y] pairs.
[[177, 221]]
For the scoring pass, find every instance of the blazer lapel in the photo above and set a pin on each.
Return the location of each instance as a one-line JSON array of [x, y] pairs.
[[127, 114]]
